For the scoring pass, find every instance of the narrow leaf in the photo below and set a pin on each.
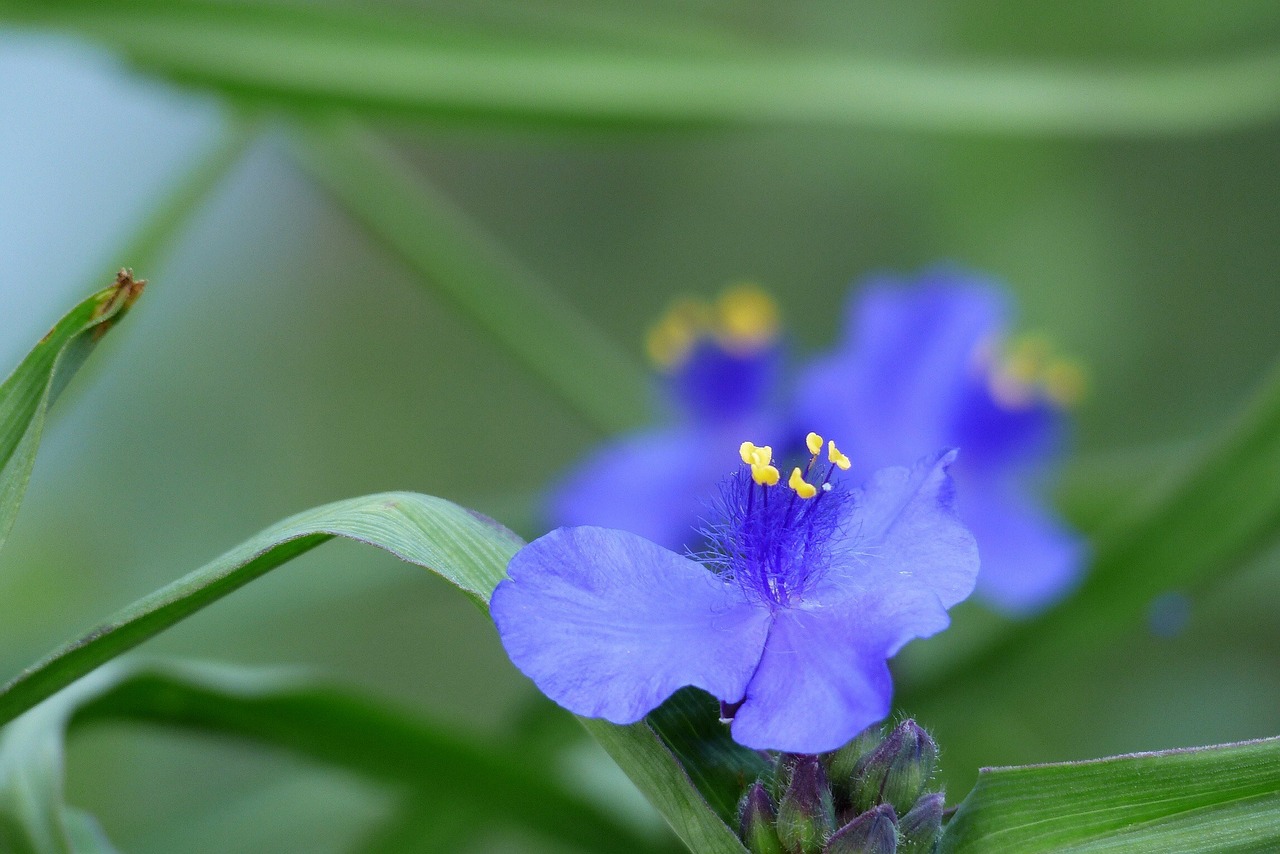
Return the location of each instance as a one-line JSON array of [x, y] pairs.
[[1211, 514], [1224, 798], [311, 55], [467, 549], [25, 397], [470, 270], [295, 713]]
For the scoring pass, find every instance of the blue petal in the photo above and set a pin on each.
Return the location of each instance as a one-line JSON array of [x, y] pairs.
[[821, 681], [823, 676], [609, 625], [641, 484], [1013, 535], [893, 391], [716, 384]]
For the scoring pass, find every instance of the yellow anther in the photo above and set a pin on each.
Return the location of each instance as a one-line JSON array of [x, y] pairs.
[[765, 475], [1064, 382], [803, 488], [833, 454], [1025, 357], [754, 455], [669, 341], [814, 442], [746, 317]]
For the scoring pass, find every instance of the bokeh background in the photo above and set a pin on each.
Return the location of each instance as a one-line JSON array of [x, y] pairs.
[[281, 359]]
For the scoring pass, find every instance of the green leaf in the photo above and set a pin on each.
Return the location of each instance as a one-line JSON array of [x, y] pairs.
[[423, 67], [293, 712], [1224, 798], [1215, 511], [467, 549], [25, 397], [470, 270]]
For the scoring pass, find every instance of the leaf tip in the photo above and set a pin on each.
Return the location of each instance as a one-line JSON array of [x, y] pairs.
[[116, 300]]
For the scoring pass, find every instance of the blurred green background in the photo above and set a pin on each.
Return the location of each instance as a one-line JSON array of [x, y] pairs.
[[281, 359]]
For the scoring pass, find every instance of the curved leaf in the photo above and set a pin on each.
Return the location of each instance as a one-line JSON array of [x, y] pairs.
[[1223, 798], [309, 55], [467, 549], [292, 712], [25, 397]]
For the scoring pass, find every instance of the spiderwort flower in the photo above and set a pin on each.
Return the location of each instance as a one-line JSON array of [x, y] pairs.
[[925, 367], [808, 587], [721, 362]]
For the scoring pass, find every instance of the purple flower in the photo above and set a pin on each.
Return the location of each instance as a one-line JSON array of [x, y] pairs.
[[721, 363], [807, 588], [923, 366]]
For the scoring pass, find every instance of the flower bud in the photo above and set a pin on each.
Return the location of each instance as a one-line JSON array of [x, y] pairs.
[[843, 764], [921, 827], [873, 832], [896, 772], [755, 821], [806, 815]]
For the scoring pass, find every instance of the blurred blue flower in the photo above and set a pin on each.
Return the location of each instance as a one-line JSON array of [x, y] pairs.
[[721, 362], [923, 366], [806, 590]]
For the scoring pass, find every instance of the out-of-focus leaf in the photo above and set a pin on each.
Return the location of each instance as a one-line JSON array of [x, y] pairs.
[[471, 271], [25, 397], [1206, 799], [293, 713], [1210, 514], [310, 55], [467, 549]]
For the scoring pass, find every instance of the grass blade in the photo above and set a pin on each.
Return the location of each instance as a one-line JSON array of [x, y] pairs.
[[25, 397], [467, 549], [1191, 526], [312, 720], [1224, 798], [475, 275], [312, 56]]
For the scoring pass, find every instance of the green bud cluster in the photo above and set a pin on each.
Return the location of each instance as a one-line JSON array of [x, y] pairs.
[[872, 796]]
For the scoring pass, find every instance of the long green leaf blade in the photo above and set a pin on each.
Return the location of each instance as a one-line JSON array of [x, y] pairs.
[[25, 397], [473, 273], [309, 55], [1182, 532], [467, 549], [1207, 799], [301, 715]]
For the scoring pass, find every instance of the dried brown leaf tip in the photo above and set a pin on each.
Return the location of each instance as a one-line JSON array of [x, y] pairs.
[[116, 300]]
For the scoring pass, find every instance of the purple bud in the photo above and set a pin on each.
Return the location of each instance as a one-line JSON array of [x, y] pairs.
[[873, 832], [921, 827], [896, 772], [806, 815], [756, 816]]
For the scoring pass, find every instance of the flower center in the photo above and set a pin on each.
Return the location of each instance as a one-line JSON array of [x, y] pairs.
[[775, 540], [1027, 371]]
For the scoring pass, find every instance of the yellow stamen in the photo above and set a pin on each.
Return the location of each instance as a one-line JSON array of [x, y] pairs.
[[814, 443], [833, 454], [1064, 382], [754, 455], [746, 317], [765, 475], [669, 341], [803, 488]]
